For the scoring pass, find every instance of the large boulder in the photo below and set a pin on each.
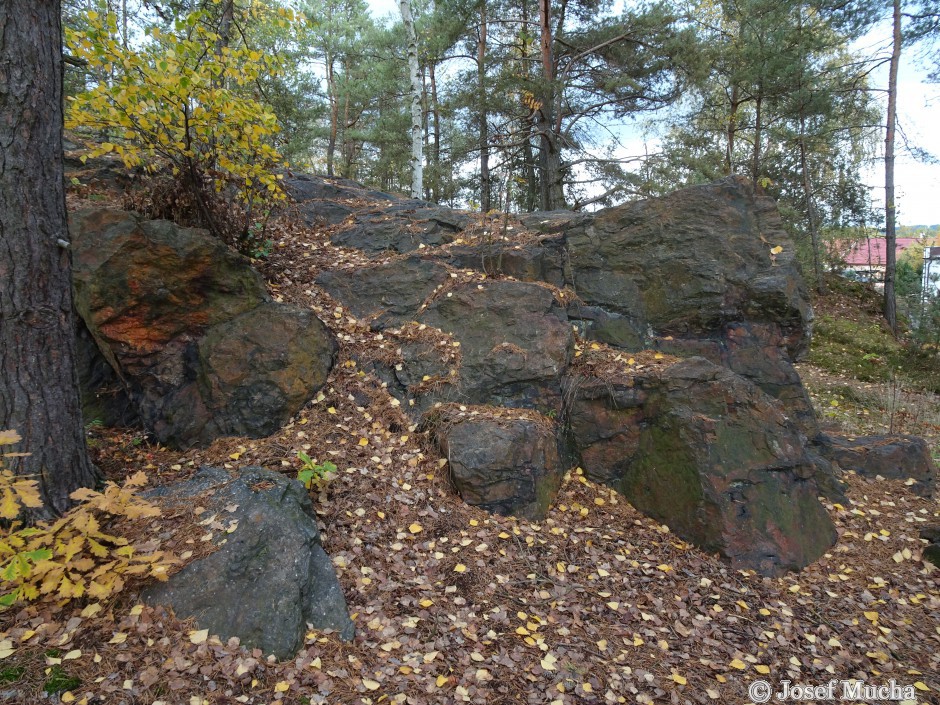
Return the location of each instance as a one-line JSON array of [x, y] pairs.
[[890, 457], [269, 577], [189, 329], [393, 292], [506, 462], [709, 454], [512, 339]]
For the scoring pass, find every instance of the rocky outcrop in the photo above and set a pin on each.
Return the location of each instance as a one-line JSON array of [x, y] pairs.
[[713, 446], [705, 271], [392, 292], [190, 331], [269, 577], [890, 457], [931, 553], [507, 463]]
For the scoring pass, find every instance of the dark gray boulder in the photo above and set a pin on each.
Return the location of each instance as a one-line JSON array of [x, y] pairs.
[[396, 289], [506, 463], [270, 576], [514, 344], [891, 457], [401, 228]]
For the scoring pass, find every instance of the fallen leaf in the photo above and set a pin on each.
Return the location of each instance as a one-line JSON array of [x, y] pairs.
[[198, 637]]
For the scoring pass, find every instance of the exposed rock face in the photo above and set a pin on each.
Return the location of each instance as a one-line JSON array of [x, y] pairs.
[[395, 291], [713, 447], [503, 464], [692, 273], [270, 577], [405, 227], [931, 534], [710, 455], [104, 399], [189, 329], [515, 341], [891, 457], [513, 338]]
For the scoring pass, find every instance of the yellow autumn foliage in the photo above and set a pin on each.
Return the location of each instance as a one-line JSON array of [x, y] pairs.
[[74, 556], [182, 99]]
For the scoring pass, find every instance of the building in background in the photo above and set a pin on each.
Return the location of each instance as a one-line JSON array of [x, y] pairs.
[[865, 259]]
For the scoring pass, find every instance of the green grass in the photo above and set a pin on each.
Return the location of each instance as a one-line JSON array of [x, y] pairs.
[[867, 351], [58, 681], [11, 674]]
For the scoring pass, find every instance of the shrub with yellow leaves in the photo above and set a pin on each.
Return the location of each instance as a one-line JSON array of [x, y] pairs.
[[75, 555], [184, 99]]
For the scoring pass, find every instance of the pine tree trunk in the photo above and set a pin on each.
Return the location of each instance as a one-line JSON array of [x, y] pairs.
[[334, 114], [731, 131], [485, 187], [552, 192], [417, 142], [890, 302], [435, 124], [810, 211], [758, 128], [39, 396]]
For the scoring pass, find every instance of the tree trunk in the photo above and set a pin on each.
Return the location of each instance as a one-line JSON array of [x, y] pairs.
[[810, 210], [552, 193], [890, 303], [435, 124], [758, 127], [334, 113], [485, 187], [417, 142], [732, 130], [39, 395]]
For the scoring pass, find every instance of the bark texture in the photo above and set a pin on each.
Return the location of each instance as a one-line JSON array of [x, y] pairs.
[[39, 394], [417, 90], [890, 303]]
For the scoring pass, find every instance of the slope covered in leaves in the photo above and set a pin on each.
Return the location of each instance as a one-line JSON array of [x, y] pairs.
[[595, 604]]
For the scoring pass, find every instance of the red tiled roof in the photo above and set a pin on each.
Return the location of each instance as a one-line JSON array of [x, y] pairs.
[[863, 252]]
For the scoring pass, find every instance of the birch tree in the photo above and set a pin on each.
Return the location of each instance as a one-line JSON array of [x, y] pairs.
[[417, 91]]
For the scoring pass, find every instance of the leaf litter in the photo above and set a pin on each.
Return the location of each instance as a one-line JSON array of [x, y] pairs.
[[594, 604]]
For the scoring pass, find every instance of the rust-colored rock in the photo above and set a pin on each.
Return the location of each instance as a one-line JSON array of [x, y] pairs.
[[190, 331]]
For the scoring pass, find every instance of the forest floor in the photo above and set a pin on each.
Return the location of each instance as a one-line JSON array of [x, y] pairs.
[[595, 604]]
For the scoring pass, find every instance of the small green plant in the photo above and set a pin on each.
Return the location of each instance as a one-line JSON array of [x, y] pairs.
[[11, 674], [58, 681], [312, 473]]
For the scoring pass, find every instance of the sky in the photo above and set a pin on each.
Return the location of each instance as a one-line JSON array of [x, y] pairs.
[[917, 184]]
